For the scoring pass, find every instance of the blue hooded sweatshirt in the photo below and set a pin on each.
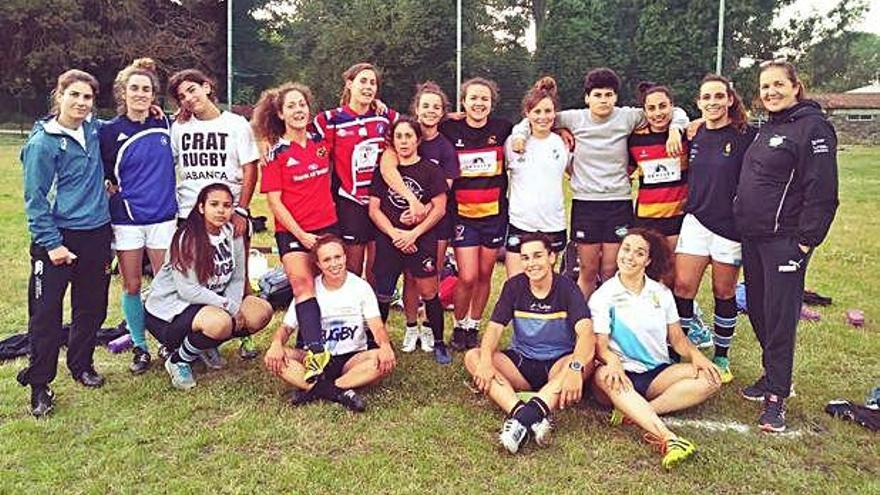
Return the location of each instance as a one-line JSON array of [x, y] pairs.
[[63, 182]]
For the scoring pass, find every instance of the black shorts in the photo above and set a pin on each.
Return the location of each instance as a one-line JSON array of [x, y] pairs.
[[391, 262], [288, 243], [514, 239], [596, 222], [334, 368], [445, 228], [171, 334], [355, 225], [666, 226], [535, 371], [489, 234], [642, 381]]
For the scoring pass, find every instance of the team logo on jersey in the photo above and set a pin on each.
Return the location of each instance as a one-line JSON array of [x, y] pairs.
[[656, 300], [459, 143], [291, 162], [380, 129], [492, 140], [428, 264], [164, 141], [728, 147], [776, 141], [121, 137], [322, 151]]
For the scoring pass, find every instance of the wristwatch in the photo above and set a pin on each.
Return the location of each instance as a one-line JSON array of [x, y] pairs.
[[575, 366]]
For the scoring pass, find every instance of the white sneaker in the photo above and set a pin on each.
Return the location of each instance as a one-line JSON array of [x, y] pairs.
[[410, 338], [541, 431], [512, 435], [426, 338]]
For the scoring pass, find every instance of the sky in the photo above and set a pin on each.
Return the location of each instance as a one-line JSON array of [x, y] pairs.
[[801, 8]]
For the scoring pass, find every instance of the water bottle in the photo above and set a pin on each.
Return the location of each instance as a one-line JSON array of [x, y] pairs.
[[120, 344]]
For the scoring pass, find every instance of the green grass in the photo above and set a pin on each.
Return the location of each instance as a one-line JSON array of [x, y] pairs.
[[424, 431]]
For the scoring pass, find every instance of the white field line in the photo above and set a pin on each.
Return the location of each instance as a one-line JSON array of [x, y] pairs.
[[734, 426]]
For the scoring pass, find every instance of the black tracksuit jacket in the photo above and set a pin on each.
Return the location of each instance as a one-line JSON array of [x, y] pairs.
[[788, 182]]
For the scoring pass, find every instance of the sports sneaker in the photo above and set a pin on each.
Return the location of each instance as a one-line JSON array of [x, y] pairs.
[[212, 359], [140, 361], [42, 401], [772, 419], [426, 339], [410, 339], [314, 364], [164, 353], [699, 335], [459, 339], [247, 348], [541, 432], [756, 391], [181, 375], [723, 364], [351, 401], [677, 450], [512, 435], [441, 353], [297, 397], [472, 339]]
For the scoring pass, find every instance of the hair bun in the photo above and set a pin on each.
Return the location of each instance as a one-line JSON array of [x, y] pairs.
[[145, 63]]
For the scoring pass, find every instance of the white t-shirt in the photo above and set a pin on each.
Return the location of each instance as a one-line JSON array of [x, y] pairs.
[[536, 197], [344, 312], [637, 323], [224, 259], [209, 151]]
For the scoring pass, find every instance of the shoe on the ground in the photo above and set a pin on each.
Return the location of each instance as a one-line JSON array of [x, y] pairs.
[[472, 338], [459, 339], [699, 335], [351, 401], [513, 435], [297, 397], [410, 339], [723, 364], [164, 353], [90, 378], [756, 391], [181, 375], [315, 364], [426, 339], [541, 432], [42, 401], [677, 450], [247, 348], [212, 359], [441, 353], [140, 361], [772, 419]]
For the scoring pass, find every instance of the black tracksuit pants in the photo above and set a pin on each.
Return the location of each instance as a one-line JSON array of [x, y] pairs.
[[775, 269], [89, 278]]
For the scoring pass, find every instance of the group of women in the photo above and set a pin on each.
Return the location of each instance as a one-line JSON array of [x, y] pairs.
[[361, 191]]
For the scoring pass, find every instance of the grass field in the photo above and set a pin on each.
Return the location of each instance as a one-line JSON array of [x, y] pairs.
[[424, 431]]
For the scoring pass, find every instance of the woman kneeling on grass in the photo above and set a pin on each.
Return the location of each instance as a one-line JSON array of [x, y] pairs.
[[635, 321], [197, 300], [360, 356], [551, 352]]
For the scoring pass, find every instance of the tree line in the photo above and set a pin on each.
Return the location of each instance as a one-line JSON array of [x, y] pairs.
[[313, 41]]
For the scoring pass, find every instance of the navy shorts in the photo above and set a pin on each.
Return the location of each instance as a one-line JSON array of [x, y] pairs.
[[480, 233], [597, 222], [355, 225], [642, 381], [515, 234], [171, 334], [535, 371], [288, 243]]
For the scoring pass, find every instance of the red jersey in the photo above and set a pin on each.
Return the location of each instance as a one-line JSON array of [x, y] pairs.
[[302, 174], [355, 143]]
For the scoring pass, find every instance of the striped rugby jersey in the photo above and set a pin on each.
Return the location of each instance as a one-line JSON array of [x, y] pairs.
[[663, 180]]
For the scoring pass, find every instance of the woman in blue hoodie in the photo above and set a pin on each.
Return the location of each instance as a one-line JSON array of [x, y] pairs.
[[69, 223]]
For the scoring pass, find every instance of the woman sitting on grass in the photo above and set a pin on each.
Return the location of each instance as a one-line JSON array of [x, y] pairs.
[[635, 321], [197, 299], [353, 330]]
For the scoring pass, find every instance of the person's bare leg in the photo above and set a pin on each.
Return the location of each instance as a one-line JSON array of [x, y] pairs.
[[689, 270], [410, 299], [634, 406], [294, 372], [484, 284], [551, 392], [370, 256], [157, 259], [588, 259], [256, 314], [361, 370], [676, 388], [354, 255], [608, 262], [468, 260], [503, 389]]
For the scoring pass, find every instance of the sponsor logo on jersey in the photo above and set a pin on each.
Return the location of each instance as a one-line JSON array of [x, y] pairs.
[[322, 151], [291, 162], [728, 147]]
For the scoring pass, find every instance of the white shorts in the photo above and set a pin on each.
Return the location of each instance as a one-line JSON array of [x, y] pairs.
[[152, 236], [697, 240]]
